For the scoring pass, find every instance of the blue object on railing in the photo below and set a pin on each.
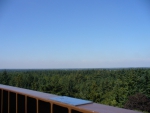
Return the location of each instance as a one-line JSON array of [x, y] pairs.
[[70, 100]]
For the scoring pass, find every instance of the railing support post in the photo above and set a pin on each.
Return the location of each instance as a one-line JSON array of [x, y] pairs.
[[51, 108], [1, 101], [26, 104], [37, 106], [8, 101], [16, 103], [69, 110]]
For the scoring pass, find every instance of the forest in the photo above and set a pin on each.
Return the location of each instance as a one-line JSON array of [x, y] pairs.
[[126, 88]]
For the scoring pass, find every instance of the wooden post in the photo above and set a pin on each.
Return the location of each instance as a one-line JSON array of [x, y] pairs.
[[16, 103], [8, 101], [37, 106], [51, 107], [69, 110], [2, 101], [26, 104]]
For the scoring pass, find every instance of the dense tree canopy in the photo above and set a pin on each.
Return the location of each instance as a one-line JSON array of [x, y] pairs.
[[105, 86]]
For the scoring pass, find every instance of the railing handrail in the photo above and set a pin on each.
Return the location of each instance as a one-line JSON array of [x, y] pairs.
[[87, 108]]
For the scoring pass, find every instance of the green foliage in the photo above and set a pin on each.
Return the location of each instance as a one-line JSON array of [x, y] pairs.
[[106, 86]]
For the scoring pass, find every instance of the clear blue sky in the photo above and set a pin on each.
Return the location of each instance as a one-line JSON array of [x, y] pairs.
[[74, 34]]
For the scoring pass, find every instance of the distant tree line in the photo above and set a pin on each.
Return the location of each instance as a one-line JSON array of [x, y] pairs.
[[126, 88]]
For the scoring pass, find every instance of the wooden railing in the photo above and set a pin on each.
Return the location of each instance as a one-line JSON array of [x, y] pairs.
[[19, 100]]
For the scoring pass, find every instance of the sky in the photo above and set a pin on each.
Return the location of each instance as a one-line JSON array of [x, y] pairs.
[[51, 34]]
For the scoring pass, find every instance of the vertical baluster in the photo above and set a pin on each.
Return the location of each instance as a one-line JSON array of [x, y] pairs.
[[1, 101], [51, 107], [37, 106], [16, 103], [26, 104], [8, 101], [69, 109]]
